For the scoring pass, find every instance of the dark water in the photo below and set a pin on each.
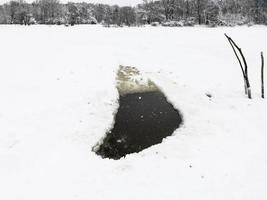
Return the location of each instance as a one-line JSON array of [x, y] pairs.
[[143, 120]]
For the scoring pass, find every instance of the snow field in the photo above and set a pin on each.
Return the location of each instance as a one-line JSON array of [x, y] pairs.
[[58, 96]]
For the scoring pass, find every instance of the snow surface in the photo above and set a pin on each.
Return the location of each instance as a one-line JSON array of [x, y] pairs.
[[58, 96]]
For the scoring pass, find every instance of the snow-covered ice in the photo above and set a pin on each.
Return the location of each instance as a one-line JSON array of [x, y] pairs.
[[58, 97]]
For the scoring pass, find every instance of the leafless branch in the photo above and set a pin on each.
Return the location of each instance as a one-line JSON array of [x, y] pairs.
[[262, 75], [245, 68]]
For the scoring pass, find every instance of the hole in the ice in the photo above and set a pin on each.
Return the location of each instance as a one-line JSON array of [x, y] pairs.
[[143, 119]]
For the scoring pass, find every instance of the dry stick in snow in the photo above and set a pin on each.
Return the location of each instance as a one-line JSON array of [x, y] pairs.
[[244, 71], [262, 75]]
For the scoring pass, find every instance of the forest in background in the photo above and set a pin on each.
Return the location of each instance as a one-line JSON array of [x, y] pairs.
[[164, 12]]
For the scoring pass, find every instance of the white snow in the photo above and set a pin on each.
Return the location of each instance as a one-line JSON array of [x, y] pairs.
[[58, 95]]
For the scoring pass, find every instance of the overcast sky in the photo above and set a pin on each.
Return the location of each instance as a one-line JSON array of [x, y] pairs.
[[111, 2]]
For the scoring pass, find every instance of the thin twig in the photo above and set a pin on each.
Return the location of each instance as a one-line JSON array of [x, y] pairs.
[[244, 71], [262, 75], [232, 43], [242, 55]]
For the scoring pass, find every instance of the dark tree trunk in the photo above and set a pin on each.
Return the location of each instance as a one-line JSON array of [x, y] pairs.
[[198, 12]]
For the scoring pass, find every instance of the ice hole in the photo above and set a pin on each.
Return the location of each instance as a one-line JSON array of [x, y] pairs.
[[144, 118]]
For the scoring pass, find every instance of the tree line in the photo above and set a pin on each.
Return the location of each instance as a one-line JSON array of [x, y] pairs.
[[165, 12]]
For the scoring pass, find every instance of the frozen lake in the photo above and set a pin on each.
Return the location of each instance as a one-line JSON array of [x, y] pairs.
[[58, 97]]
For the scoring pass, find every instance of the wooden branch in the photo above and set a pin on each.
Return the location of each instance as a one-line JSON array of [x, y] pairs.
[[242, 55], [232, 45], [244, 69], [262, 75]]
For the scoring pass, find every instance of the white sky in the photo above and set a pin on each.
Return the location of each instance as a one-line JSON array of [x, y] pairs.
[[111, 2]]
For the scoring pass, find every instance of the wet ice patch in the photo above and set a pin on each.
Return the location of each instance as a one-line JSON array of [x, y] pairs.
[[130, 80], [144, 117]]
